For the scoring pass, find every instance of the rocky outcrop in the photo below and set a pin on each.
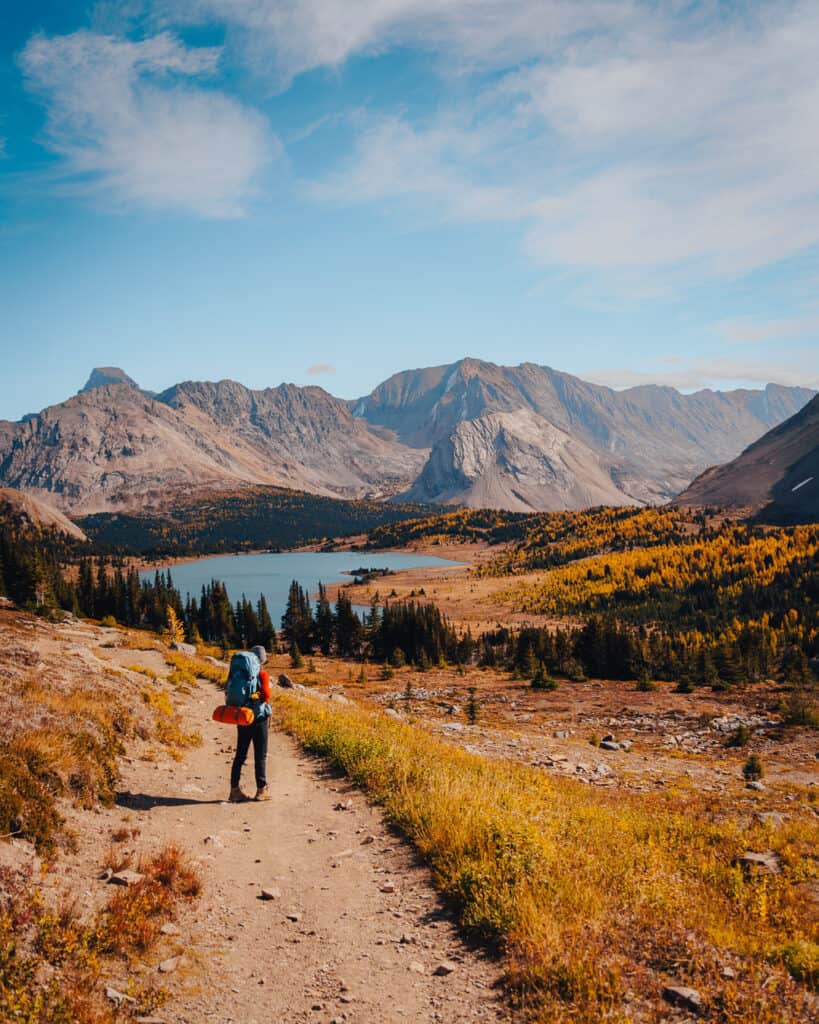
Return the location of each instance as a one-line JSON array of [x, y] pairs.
[[309, 438], [518, 461], [114, 448], [37, 511], [103, 375]]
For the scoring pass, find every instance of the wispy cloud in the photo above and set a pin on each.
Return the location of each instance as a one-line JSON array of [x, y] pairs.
[[750, 332], [674, 141], [287, 37], [320, 369], [127, 119], [716, 373]]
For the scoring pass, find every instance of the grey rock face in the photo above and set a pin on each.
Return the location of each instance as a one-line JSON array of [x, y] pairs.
[[651, 440]]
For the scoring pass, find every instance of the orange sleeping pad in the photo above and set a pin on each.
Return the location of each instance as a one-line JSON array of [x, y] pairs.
[[228, 715]]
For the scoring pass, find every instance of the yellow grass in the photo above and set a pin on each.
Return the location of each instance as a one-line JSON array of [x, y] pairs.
[[196, 667], [167, 723], [591, 895]]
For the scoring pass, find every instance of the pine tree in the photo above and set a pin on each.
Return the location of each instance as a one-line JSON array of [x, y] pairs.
[[266, 631], [324, 622]]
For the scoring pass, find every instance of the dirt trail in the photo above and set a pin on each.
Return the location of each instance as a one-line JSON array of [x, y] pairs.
[[336, 944]]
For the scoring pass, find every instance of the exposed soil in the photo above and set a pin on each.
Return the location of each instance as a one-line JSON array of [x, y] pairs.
[[354, 931]]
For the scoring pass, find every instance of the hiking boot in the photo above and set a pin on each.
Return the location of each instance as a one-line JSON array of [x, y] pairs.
[[263, 793], [237, 796]]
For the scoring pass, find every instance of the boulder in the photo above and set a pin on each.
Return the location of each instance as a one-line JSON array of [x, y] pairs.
[[117, 997], [126, 878], [609, 745], [285, 681], [765, 863], [189, 649], [684, 997]]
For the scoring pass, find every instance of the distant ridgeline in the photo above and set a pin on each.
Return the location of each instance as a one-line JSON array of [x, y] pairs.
[[247, 519]]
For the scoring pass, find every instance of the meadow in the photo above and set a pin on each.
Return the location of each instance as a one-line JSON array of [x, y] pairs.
[[598, 900]]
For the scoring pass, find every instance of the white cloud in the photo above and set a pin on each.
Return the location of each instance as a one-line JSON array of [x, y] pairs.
[[287, 37], [752, 332], [671, 140], [125, 117], [394, 160], [716, 373], [320, 369]]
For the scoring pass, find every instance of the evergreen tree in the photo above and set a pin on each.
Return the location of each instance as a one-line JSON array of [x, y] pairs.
[[324, 627]]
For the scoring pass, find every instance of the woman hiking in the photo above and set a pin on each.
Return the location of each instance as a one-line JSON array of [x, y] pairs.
[[257, 734]]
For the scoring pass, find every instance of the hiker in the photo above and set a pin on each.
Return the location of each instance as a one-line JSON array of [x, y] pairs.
[[257, 734]]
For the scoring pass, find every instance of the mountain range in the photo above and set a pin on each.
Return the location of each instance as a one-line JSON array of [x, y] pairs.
[[472, 433]]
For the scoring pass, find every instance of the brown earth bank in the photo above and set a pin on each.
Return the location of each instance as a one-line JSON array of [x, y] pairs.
[[352, 930]]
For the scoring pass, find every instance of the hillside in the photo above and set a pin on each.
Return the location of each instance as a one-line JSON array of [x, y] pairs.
[[777, 475], [246, 519], [37, 512], [525, 438]]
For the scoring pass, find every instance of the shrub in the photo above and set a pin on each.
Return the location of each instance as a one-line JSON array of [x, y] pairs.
[[472, 706], [799, 709], [802, 960], [542, 681], [752, 769], [740, 737], [645, 684]]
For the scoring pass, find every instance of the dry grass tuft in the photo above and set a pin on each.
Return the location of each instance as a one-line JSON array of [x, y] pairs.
[[167, 724], [52, 964], [133, 917], [195, 667]]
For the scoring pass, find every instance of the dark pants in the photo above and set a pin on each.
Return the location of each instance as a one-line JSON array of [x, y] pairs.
[[245, 735]]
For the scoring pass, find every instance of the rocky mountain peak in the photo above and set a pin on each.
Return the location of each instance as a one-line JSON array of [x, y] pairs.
[[103, 375]]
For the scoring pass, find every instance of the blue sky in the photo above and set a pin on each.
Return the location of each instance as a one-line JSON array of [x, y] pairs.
[[329, 191]]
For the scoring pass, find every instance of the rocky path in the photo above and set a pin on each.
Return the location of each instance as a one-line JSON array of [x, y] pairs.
[[352, 929]]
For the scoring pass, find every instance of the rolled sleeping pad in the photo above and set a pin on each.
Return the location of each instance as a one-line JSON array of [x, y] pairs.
[[229, 715]]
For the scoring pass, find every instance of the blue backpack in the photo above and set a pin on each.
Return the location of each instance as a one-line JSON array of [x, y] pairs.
[[243, 681]]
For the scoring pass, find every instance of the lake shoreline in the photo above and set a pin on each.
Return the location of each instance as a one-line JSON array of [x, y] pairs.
[[251, 575]]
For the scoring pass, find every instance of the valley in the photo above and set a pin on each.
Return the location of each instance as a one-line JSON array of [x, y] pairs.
[[568, 774]]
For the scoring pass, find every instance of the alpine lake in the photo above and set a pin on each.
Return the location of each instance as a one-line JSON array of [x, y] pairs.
[[271, 574]]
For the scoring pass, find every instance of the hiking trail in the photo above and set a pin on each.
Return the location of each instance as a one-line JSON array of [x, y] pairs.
[[353, 930]]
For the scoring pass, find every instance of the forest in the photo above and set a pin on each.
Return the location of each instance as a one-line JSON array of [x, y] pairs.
[[253, 518]]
